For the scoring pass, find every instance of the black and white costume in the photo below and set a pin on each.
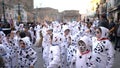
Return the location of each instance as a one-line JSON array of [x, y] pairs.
[[103, 52], [54, 52], [26, 56], [83, 60], [5, 56]]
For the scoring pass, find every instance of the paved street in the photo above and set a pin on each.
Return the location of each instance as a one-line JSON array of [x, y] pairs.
[[39, 63], [117, 60]]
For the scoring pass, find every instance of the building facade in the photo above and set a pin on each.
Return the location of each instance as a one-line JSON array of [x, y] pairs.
[[113, 9], [27, 7], [109, 7], [45, 14], [71, 15]]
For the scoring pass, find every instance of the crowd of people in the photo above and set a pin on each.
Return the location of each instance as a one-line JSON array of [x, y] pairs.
[[64, 44]]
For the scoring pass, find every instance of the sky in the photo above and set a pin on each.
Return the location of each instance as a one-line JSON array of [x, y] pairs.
[[62, 5]]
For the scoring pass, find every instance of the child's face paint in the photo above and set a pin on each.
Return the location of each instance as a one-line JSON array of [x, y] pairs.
[[98, 33], [82, 46]]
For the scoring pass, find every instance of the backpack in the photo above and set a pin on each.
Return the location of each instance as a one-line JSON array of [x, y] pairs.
[[118, 31]]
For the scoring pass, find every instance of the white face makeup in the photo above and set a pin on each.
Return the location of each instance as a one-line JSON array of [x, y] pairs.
[[82, 46], [98, 33]]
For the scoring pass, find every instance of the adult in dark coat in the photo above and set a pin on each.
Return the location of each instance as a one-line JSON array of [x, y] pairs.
[[111, 29], [117, 38], [103, 21]]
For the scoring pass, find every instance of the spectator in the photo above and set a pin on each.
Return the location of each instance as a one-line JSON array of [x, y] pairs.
[[111, 29], [117, 35], [103, 21]]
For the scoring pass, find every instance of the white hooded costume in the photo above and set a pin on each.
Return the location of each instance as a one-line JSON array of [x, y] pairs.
[[32, 34], [21, 27], [12, 44], [54, 52], [71, 51], [5, 56], [46, 47], [65, 42], [26, 56], [83, 60], [103, 51]]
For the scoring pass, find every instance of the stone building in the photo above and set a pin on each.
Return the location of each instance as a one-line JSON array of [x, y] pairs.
[[10, 4], [45, 14], [71, 15], [113, 9], [110, 7], [28, 5]]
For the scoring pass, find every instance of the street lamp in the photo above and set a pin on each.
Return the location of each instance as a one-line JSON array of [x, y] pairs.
[[6, 26]]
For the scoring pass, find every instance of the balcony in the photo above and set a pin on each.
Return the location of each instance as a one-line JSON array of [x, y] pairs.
[[117, 2]]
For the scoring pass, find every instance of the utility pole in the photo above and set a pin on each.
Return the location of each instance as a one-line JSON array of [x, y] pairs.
[[19, 14], [6, 26], [3, 6]]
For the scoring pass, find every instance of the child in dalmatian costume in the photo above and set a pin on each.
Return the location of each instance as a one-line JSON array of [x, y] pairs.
[[21, 27], [71, 51], [65, 42], [4, 42], [5, 56], [32, 34], [83, 56], [26, 55], [54, 52], [57, 27], [12, 44], [46, 46], [102, 49]]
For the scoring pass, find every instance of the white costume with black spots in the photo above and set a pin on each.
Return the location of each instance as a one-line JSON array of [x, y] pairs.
[[63, 48], [13, 52], [57, 27], [83, 60], [71, 51], [54, 52], [46, 46], [5, 56], [103, 52], [26, 56], [54, 57], [21, 27], [32, 34]]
